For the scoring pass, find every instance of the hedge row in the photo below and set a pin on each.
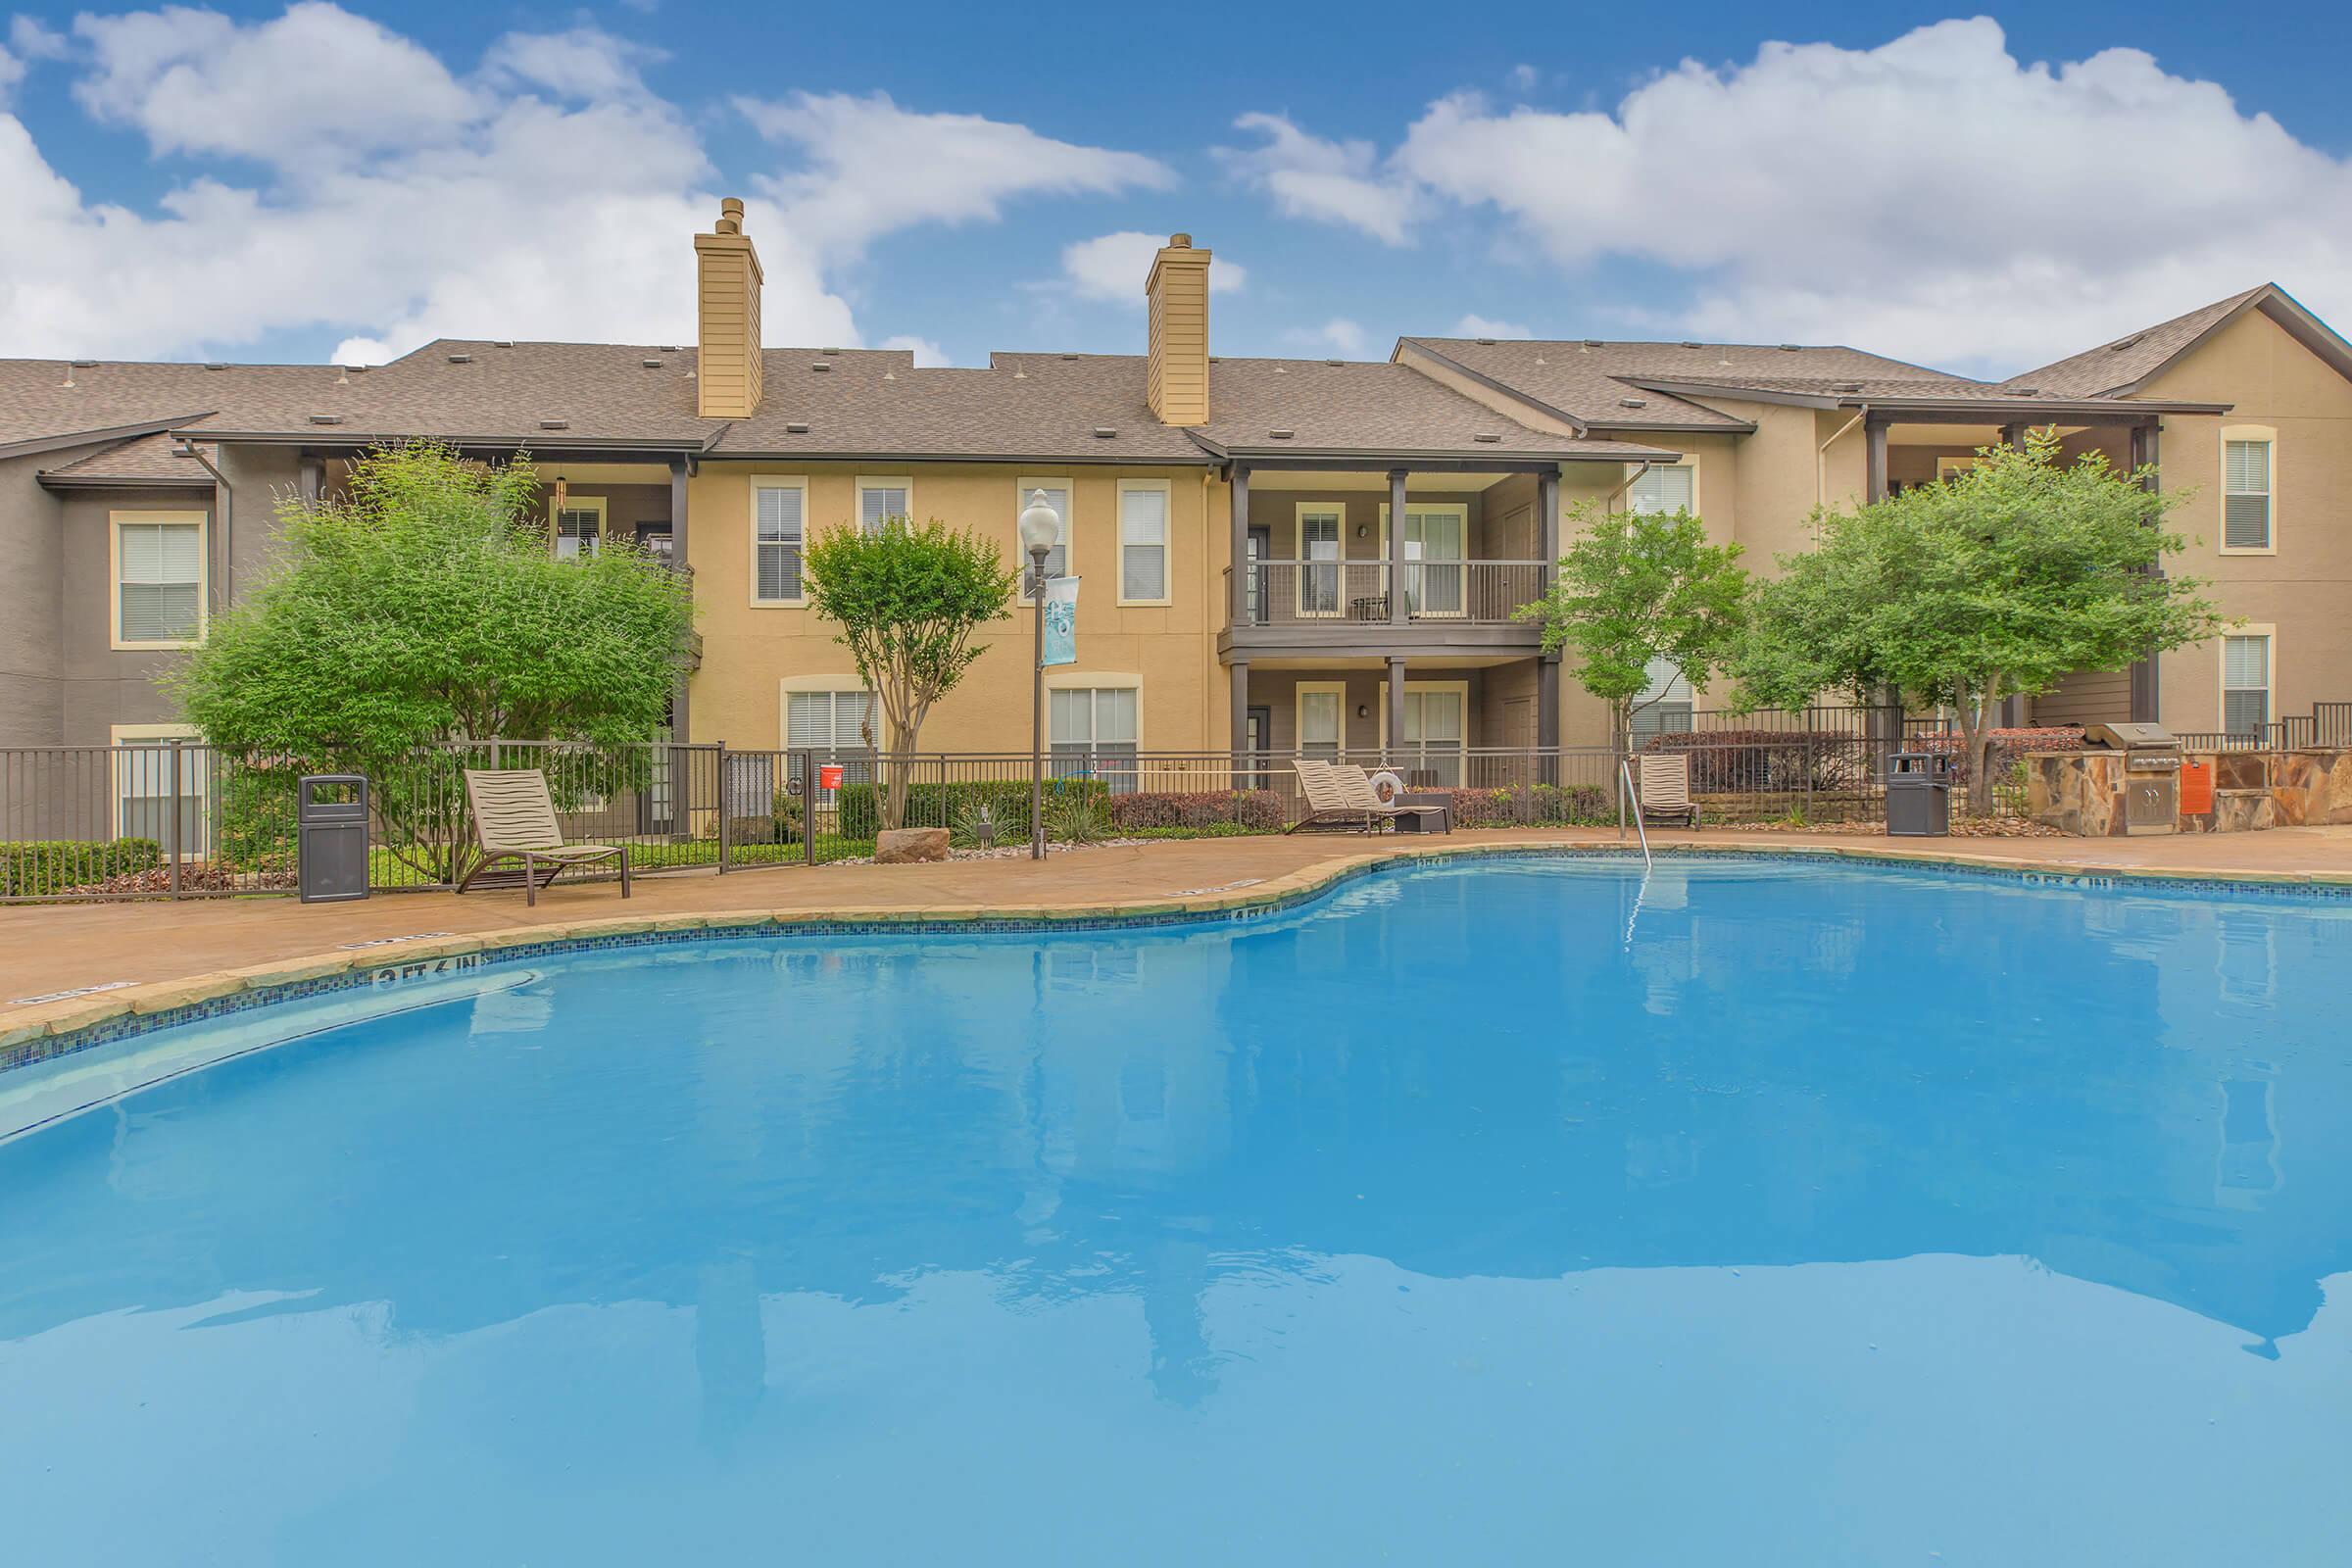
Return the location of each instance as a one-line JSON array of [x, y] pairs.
[[1555, 805], [934, 805], [55, 865], [1254, 810]]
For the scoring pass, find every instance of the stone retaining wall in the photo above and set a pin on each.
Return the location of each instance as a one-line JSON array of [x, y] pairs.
[[2082, 792]]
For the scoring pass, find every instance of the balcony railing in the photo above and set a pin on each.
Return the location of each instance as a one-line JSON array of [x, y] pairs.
[[1475, 593]]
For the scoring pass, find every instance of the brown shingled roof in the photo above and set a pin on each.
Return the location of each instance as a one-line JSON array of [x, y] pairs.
[[1588, 381], [146, 460], [2122, 365]]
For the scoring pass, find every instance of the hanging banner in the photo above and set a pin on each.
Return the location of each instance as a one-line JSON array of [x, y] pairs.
[[1060, 611]]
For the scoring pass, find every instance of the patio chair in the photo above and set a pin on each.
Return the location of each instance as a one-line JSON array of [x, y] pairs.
[[1357, 786], [515, 821], [1328, 800], [1662, 790]]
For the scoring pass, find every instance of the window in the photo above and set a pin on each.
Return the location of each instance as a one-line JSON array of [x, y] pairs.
[[1322, 719], [1094, 730], [1057, 496], [779, 519], [1436, 543], [1319, 549], [144, 792], [2246, 684], [2246, 488], [839, 724], [1435, 744], [1143, 541], [1663, 706], [1664, 487], [158, 579], [580, 523], [880, 499]]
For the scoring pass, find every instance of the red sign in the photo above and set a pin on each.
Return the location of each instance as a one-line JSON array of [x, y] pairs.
[[828, 775], [2196, 789]]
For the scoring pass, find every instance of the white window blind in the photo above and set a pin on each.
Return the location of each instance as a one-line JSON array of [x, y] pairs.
[[1058, 559], [162, 586], [2247, 495], [576, 529], [1664, 705], [2246, 684], [1318, 544], [1668, 487], [145, 807], [877, 504], [828, 721], [1319, 722], [1144, 543], [780, 509], [1094, 730]]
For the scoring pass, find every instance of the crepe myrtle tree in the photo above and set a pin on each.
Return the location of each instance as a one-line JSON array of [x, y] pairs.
[[1998, 581], [1635, 588], [420, 613], [906, 599]]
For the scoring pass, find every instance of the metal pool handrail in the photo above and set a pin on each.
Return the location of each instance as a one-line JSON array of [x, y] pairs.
[[1625, 776]]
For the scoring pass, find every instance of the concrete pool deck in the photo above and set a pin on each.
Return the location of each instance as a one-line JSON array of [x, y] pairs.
[[156, 955]]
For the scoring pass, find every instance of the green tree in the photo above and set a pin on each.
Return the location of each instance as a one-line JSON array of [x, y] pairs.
[[1636, 587], [1999, 581], [422, 607], [907, 600]]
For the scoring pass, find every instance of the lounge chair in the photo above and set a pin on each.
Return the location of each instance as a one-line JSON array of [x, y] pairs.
[[1328, 800], [1663, 788], [1359, 786], [515, 819]]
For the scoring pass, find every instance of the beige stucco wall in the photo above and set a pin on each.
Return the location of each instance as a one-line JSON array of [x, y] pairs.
[[2304, 591], [748, 649]]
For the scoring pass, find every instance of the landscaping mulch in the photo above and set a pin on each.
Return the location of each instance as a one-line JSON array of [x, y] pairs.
[[1963, 827]]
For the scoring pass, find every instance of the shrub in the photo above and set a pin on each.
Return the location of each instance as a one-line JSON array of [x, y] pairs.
[[858, 805], [1769, 761], [54, 866], [1077, 816], [1543, 804], [1255, 811]]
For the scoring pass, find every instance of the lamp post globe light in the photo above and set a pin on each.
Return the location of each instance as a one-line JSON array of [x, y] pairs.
[[1041, 530]]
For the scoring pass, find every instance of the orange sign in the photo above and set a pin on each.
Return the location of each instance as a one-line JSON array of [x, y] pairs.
[[2196, 789], [828, 775]]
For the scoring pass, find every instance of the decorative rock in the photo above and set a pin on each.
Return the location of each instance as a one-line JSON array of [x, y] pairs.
[[903, 846]]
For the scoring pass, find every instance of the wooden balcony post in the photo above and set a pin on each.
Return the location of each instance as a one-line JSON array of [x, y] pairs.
[[1396, 614], [1237, 612]]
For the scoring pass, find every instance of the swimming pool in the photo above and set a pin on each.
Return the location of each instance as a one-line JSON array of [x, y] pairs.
[[1515, 1211]]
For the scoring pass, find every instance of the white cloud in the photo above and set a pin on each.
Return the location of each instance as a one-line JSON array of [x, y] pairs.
[[1523, 76], [872, 167], [1475, 326], [926, 352], [12, 71], [1933, 198], [1340, 335], [543, 191], [33, 39], [1329, 182], [1113, 267]]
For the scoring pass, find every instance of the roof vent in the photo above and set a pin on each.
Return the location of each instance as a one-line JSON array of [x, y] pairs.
[[1540, 360], [1104, 432], [2122, 344], [1281, 434], [1020, 375], [796, 428], [359, 369], [1069, 356], [555, 424], [828, 351], [84, 365], [1787, 348], [502, 343], [461, 358], [1488, 436], [651, 364], [820, 366], [1690, 343], [1486, 342], [1335, 361], [1592, 342], [217, 364], [889, 375], [326, 418], [2025, 391], [1848, 386], [673, 348], [1633, 403]]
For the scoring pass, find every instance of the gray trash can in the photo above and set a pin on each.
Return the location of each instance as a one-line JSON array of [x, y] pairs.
[[330, 826], [1919, 795]]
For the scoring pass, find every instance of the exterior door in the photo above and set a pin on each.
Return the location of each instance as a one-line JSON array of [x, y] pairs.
[[1257, 738], [1261, 544], [1434, 549], [1319, 550]]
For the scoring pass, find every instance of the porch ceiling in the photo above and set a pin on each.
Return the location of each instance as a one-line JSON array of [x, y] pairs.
[[1369, 479]]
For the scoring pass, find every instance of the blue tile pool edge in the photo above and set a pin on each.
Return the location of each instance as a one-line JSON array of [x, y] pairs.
[[389, 976]]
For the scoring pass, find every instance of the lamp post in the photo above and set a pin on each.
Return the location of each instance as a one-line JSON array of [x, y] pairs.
[[1041, 530]]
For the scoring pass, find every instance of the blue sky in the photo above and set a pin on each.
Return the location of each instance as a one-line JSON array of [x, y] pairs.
[[1982, 194]]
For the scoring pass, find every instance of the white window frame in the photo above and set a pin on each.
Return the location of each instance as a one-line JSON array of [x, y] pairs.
[[1336, 510], [555, 520], [1460, 688], [1299, 692], [1634, 470], [2269, 675], [1022, 489], [1099, 681], [1460, 512], [115, 523], [2269, 436], [867, 481], [1167, 540], [774, 481], [135, 735], [1946, 465]]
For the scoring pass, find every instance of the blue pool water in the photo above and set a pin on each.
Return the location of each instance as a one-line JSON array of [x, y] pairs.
[[1519, 1213]]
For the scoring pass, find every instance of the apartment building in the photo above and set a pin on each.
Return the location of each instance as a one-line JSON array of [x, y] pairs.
[[1276, 553]]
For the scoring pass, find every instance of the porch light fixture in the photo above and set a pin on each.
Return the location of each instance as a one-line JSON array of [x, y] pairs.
[[1040, 527]]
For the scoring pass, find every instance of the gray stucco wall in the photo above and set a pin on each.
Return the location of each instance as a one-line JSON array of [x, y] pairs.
[[32, 700], [102, 686]]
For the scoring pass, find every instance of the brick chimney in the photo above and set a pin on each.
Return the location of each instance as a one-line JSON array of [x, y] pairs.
[[726, 293], [1176, 379]]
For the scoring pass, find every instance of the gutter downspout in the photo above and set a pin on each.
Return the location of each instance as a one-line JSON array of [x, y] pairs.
[[225, 495], [1632, 479], [1821, 465]]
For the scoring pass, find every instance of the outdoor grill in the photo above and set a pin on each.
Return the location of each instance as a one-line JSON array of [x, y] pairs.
[[2151, 773]]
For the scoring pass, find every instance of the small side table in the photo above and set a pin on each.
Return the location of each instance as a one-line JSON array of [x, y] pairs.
[[1423, 812]]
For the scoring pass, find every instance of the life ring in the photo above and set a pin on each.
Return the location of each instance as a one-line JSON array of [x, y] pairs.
[[1387, 787]]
